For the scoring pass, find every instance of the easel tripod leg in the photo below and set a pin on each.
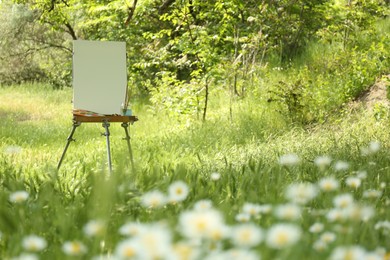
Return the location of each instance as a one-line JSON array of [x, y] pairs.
[[127, 138], [106, 125], [70, 139]]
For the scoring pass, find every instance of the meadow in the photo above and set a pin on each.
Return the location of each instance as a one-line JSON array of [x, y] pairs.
[[242, 185]]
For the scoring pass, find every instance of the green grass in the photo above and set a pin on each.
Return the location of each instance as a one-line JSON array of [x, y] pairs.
[[245, 152]]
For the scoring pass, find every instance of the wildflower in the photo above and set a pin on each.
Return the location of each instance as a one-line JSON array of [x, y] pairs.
[[353, 182], [384, 225], [182, 250], [178, 191], [283, 235], [13, 149], [19, 196], [359, 212], [322, 161], [155, 242], [243, 217], [374, 256], [215, 176], [203, 205], [289, 160], [328, 184], [288, 211], [127, 249], [94, 228], [351, 252], [335, 214], [372, 194], [74, 248], [361, 174], [131, 229], [34, 243], [201, 224], [320, 246], [265, 208], [25, 256], [316, 227], [234, 253], [251, 209], [373, 147], [301, 193], [247, 235], [328, 237], [343, 200], [341, 166], [153, 199]]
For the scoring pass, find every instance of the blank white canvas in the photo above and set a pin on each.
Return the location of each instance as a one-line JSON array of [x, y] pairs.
[[99, 76]]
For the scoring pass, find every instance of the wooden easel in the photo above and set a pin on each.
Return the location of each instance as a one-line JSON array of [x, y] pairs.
[[105, 120]]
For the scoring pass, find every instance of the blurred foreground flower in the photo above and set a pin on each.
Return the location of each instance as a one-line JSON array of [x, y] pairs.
[[301, 193], [373, 147], [13, 149], [351, 252], [283, 235], [18, 196], [207, 224], [178, 191], [289, 160], [247, 235], [74, 248], [34, 243], [153, 199], [341, 166], [322, 162], [215, 176], [328, 184], [94, 228]]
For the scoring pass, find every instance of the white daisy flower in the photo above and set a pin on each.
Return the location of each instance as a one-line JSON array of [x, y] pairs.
[[131, 229], [316, 227], [251, 209], [203, 205], [127, 249], [26, 256], [335, 214], [153, 199], [13, 149], [328, 184], [288, 211], [243, 217], [320, 246], [94, 228], [301, 193], [289, 160], [328, 237], [353, 182], [34, 243], [155, 242], [372, 194], [178, 191], [74, 248], [283, 235], [322, 161], [201, 224], [351, 252], [247, 235], [341, 166], [18, 196], [343, 201], [215, 176]]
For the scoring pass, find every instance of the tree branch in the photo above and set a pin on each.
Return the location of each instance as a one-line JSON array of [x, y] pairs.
[[70, 30], [131, 12]]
